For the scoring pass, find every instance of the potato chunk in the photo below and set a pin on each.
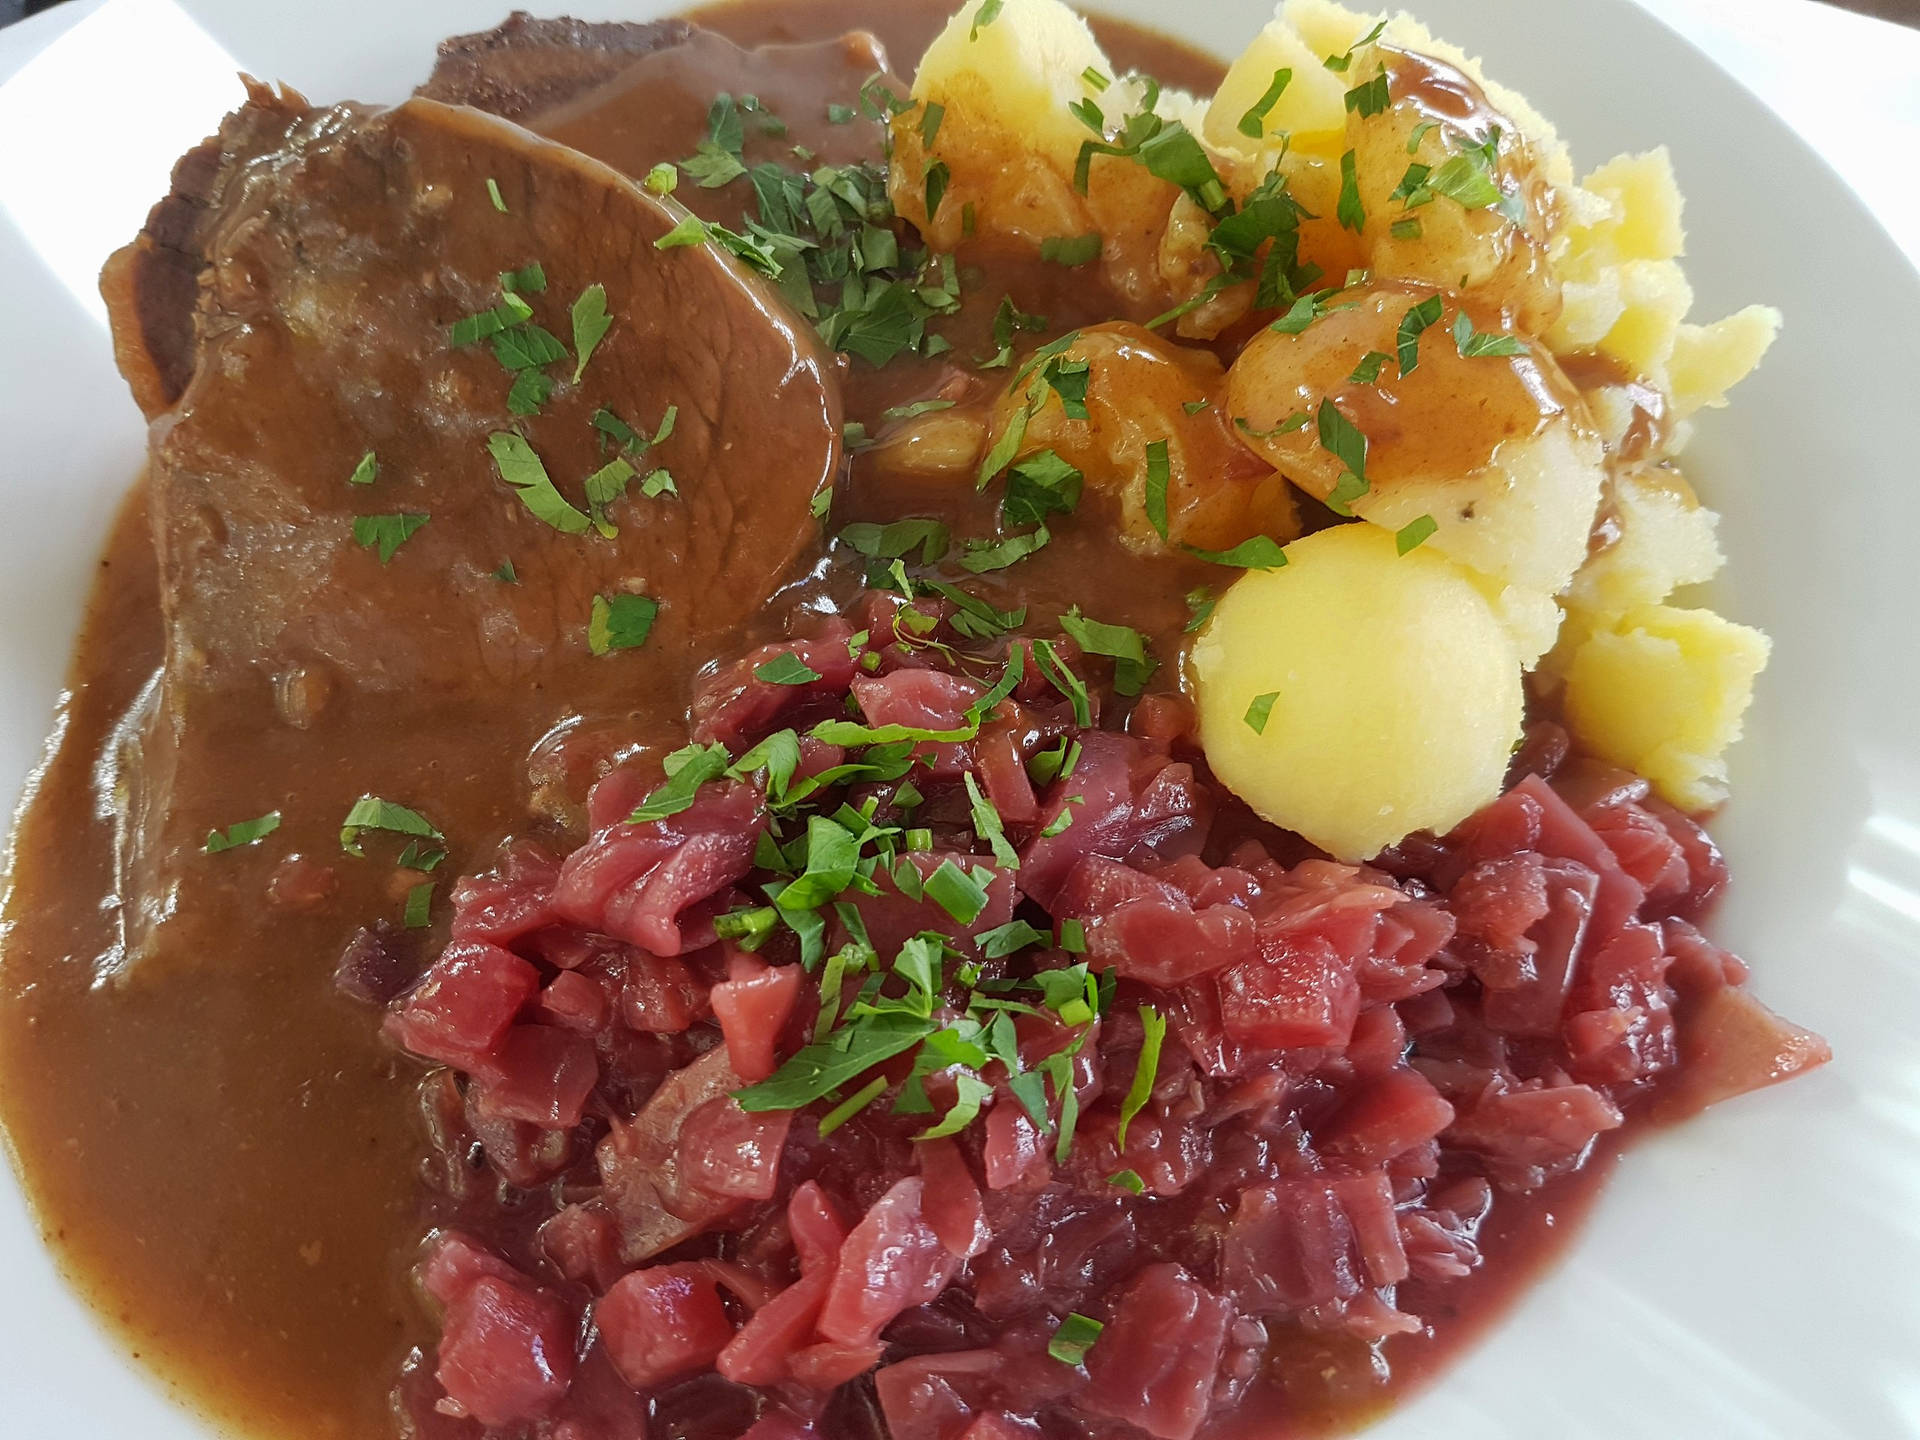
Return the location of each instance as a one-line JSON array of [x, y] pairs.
[[1394, 690], [1662, 691]]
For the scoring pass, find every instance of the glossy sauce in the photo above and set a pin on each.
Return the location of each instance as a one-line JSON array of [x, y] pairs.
[[221, 1150]]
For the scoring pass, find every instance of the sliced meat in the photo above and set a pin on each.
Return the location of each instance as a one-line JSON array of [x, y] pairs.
[[525, 64], [334, 249]]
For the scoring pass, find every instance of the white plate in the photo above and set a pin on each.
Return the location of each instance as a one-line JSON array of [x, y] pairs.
[[1755, 1274]]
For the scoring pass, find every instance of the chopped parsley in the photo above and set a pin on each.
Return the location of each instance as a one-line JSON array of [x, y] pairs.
[[590, 325], [716, 160], [1296, 421], [526, 346], [1350, 212], [1200, 603], [1253, 124], [243, 832], [984, 555], [988, 12], [1369, 97], [620, 622], [1258, 709], [662, 179], [419, 908], [1124, 645], [854, 1104], [530, 390], [1074, 1338], [385, 533], [493, 194], [1342, 439], [838, 114], [786, 668], [527, 280], [1339, 63], [899, 538], [1407, 229], [1367, 372], [521, 468], [1129, 1181], [1412, 325], [1414, 534], [366, 472], [1153, 1026], [1261, 552], [370, 812], [1158, 472], [505, 573], [1472, 344], [1071, 250]]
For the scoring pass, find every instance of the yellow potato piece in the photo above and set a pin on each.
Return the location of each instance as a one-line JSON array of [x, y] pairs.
[[1662, 691], [1396, 694]]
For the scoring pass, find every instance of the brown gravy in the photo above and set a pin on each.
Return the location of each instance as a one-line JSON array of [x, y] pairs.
[[224, 1160]]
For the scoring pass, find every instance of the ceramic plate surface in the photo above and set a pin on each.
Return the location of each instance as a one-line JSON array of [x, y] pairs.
[[1753, 1274]]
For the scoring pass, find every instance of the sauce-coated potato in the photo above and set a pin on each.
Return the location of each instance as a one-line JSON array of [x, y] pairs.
[[1396, 692]]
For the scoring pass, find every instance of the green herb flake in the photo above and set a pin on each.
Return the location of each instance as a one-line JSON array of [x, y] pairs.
[[506, 574], [1071, 250], [852, 1105], [1068, 379], [243, 832], [1339, 63], [930, 117], [1351, 213], [493, 194], [1258, 709], [786, 668], [521, 468], [419, 908], [590, 325], [1412, 325], [1407, 229], [1369, 97], [1414, 534], [1159, 470], [956, 892], [1074, 1338], [620, 622], [370, 812], [1153, 1026], [686, 771], [662, 179], [828, 1064], [527, 280], [1124, 645], [1260, 552], [385, 533], [988, 12], [1129, 1181], [1473, 343], [899, 538], [1419, 134], [1296, 421], [1342, 439], [1200, 603], [938, 176], [511, 311], [987, 825], [366, 472], [838, 114], [1194, 407], [524, 347], [530, 390], [1253, 124], [1348, 489], [983, 556], [1367, 372], [969, 1092]]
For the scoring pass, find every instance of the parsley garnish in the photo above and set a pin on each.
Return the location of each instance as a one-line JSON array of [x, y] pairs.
[[527, 280], [243, 832], [898, 539], [1041, 485], [1414, 534], [1261, 552], [505, 573], [385, 533], [1071, 250], [662, 179], [1200, 603], [1124, 645], [1158, 473], [983, 555], [523, 347], [1342, 439], [419, 909], [366, 471], [1129, 1181], [1258, 709], [1339, 63], [988, 12], [1369, 97], [1472, 344], [1407, 339], [620, 622], [1074, 1338], [838, 114], [520, 467], [1296, 421], [590, 325], [370, 812], [493, 194], [530, 390], [855, 1103], [1367, 372], [1153, 1027], [686, 771], [1253, 124], [786, 668], [1351, 213]]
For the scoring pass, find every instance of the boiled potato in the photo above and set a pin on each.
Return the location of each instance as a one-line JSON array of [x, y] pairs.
[[1662, 692], [1496, 450], [1395, 694], [1139, 388], [1663, 538]]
